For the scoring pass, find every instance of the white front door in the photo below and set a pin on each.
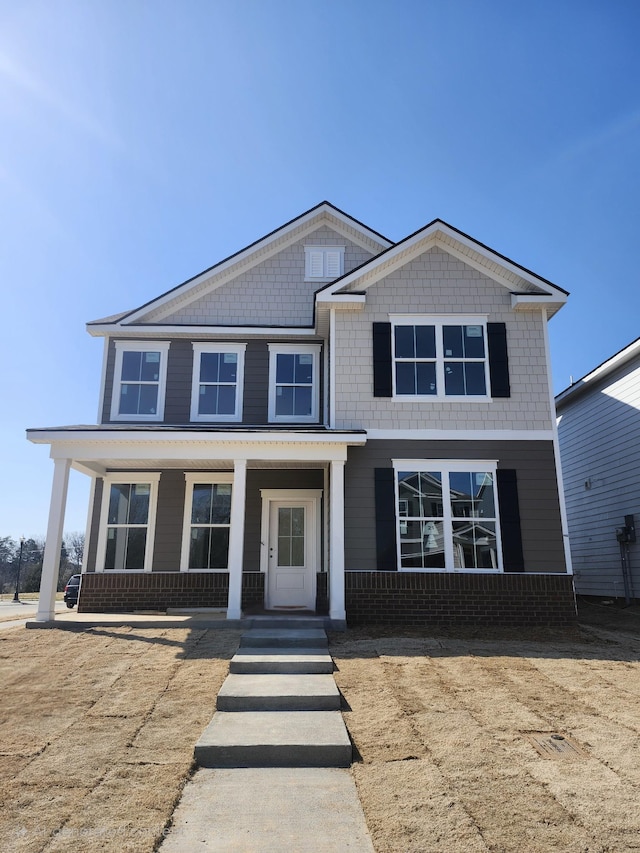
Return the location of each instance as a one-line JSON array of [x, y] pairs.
[[292, 550]]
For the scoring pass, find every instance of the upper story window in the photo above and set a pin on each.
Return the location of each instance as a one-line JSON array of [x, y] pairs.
[[441, 358], [294, 383], [218, 374], [323, 262], [139, 380]]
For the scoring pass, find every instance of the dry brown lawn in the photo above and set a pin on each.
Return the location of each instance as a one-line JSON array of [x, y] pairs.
[[97, 732], [445, 765]]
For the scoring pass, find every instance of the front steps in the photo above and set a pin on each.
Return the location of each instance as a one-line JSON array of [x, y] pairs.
[[279, 706]]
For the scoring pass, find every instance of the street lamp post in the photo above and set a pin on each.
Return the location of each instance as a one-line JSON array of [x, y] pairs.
[[16, 597]]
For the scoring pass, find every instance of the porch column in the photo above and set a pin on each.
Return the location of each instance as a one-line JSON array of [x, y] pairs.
[[236, 538], [336, 543], [53, 542]]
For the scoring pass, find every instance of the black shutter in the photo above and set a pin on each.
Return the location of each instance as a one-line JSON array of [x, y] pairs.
[[382, 386], [512, 556], [385, 520], [498, 360]]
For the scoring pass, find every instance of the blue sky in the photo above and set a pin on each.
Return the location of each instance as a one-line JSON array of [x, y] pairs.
[[141, 141]]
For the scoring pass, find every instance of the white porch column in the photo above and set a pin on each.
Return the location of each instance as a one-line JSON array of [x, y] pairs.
[[53, 542], [336, 542], [236, 538]]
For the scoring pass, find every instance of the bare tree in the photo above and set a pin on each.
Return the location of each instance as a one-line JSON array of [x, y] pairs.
[[74, 543]]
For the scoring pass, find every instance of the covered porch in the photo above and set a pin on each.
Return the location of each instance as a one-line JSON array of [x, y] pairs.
[[277, 521]]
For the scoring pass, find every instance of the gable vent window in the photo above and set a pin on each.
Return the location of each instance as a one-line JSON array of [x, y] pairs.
[[324, 263]]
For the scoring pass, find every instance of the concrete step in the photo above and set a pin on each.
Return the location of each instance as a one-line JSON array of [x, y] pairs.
[[284, 661], [305, 638], [275, 739], [284, 621], [278, 693]]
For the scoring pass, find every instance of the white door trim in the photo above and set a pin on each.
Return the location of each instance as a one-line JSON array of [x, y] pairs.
[[269, 496]]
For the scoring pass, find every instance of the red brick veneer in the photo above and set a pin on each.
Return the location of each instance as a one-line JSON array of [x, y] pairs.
[[425, 598]]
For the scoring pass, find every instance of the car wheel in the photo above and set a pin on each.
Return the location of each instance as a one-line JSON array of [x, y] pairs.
[[69, 605]]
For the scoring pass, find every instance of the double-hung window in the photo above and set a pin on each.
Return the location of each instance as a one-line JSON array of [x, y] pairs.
[[447, 515], [218, 373], [440, 358], [323, 263], [294, 386], [128, 522], [207, 521], [139, 382]]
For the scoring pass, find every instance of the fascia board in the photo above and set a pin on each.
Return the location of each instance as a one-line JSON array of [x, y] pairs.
[[425, 239], [159, 330], [258, 252], [189, 438], [126, 448]]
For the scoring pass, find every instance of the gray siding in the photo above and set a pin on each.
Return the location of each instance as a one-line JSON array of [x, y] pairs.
[[177, 408], [169, 519], [92, 544], [292, 478], [170, 513], [537, 490], [599, 432]]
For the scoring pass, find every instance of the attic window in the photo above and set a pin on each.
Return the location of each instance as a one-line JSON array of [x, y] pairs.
[[323, 263]]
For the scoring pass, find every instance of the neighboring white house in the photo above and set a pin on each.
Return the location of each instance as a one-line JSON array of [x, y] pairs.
[[599, 433], [332, 422]]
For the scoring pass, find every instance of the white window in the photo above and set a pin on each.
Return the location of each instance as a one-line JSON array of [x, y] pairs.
[[127, 524], [323, 262], [439, 358], [207, 522], [218, 375], [294, 381], [139, 381], [447, 515]]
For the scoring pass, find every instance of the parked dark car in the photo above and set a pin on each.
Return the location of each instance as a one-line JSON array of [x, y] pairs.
[[72, 590]]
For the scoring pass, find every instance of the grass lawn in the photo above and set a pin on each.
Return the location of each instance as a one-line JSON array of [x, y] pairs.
[[97, 732]]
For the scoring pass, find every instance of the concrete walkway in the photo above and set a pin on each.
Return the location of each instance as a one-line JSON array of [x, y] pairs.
[[273, 761]]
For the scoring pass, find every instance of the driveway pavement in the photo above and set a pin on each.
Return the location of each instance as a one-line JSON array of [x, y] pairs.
[[13, 615]]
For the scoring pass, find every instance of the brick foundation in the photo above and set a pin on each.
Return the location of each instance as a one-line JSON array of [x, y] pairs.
[[123, 592], [387, 598], [424, 598]]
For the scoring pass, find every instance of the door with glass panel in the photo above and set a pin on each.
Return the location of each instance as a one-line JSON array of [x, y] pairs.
[[291, 550]]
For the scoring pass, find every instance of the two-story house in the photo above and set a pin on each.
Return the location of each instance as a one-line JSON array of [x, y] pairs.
[[327, 421]]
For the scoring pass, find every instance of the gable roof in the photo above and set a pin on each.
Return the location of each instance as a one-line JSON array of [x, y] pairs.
[[256, 252], [528, 289], [606, 368]]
